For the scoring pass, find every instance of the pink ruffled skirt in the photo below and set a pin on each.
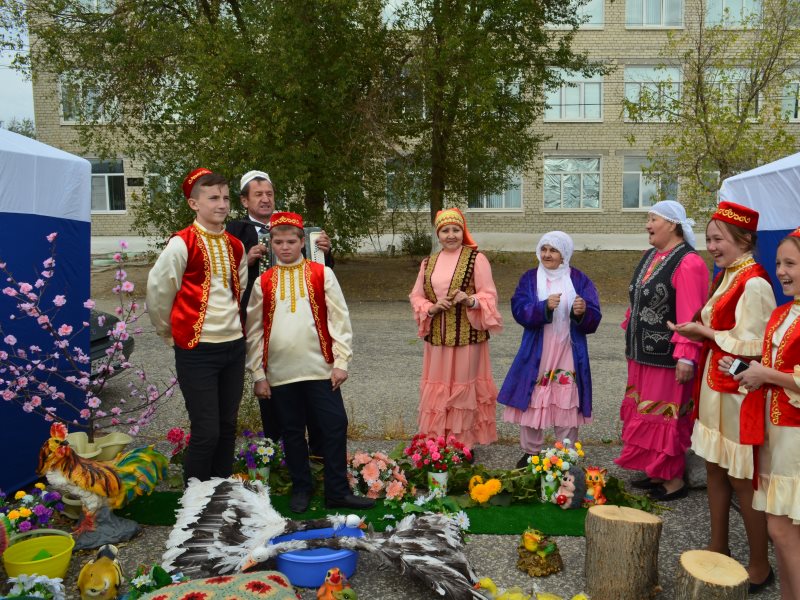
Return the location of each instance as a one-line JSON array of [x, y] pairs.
[[656, 422], [458, 394]]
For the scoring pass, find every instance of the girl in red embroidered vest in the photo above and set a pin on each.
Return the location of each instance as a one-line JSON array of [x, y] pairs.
[[731, 323], [771, 416], [193, 294], [455, 306]]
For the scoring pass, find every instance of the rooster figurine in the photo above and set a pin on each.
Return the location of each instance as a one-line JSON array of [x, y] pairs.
[[101, 486], [101, 577]]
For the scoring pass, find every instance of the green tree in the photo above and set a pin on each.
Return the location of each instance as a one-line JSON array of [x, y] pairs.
[[21, 126], [728, 113], [294, 87], [473, 78]]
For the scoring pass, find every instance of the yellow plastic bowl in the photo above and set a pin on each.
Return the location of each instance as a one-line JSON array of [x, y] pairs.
[[18, 558]]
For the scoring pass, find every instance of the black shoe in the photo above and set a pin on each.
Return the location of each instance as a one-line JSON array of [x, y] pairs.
[[660, 493], [757, 587], [350, 501], [523, 462], [645, 483], [299, 502]]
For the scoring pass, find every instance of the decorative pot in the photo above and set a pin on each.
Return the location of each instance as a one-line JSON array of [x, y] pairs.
[[437, 481], [261, 473], [73, 507], [104, 447], [549, 489]]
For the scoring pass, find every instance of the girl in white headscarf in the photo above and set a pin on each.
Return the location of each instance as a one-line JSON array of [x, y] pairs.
[[549, 383]]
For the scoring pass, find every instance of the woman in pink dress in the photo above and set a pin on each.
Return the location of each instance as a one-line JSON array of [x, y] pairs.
[[455, 306], [669, 284]]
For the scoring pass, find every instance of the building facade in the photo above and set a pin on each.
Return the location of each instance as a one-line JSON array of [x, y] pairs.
[[589, 180]]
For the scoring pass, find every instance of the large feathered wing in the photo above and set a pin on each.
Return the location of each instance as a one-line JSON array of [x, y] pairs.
[[139, 471]]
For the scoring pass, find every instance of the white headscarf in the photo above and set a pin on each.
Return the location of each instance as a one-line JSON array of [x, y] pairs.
[[554, 281], [675, 213]]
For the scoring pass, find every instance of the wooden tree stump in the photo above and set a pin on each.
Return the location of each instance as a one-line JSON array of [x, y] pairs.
[[621, 553], [710, 576]]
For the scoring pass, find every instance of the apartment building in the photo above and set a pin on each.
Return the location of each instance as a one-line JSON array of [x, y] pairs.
[[589, 180]]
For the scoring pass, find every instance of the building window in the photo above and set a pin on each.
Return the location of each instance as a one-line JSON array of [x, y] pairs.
[[654, 13], [510, 198], [78, 102], [571, 182], [791, 106], [640, 190], [406, 187], [578, 99], [733, 89], [732, 13], [591, 15], [108, 185], [653, 87]]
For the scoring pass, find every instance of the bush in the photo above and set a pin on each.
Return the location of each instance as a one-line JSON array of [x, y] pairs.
[[416, 243]]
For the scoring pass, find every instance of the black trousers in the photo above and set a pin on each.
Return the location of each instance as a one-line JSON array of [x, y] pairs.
[[315, 405], [211, 378], [274, 430]]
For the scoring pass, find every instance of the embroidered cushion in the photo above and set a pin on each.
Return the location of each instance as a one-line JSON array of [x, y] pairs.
[[243, 586]]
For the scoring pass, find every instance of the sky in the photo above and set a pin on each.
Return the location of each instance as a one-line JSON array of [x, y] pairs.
[[16, 95]]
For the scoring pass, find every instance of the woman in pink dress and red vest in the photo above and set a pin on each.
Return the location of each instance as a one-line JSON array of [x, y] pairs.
[[731, 323], [770, 419], [669, 284], [455, 306]]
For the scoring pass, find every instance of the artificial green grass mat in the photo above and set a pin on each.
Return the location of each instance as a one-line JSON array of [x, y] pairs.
[[159, 509]]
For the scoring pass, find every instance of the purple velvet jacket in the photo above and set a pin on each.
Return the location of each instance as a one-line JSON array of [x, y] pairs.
[[533, 315]]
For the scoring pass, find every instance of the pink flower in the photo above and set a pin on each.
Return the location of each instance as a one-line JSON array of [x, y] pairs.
[[370, 472], [8, 395], [65, 330], [86, 413], [25, 287], [89, 304], [93, 402], [127, 287], [9, 291], [375, 489], [436, 456], [123, 244], [52, 237], [117, 257], [395, 489], [59, 300], [49, 263], [36, 401], [43, 319], [10, 340]]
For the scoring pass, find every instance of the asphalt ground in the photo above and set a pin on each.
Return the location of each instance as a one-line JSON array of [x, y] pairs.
[[381, 397]]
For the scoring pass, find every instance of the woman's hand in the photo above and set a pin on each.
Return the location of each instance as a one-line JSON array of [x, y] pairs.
[[461, 297], [579, 306], [684, 372], [553, 300], [754, 377], [441, 305], [694, 331], [724, 364]]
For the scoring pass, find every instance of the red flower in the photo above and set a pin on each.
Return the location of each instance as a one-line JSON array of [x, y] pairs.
[[217, 580], [161, 597], [563, 379], [194, 596], [279, 580], [258, 587], [544, 381]]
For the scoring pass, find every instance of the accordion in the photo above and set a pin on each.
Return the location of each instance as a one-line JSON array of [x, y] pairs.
[[311, 252]]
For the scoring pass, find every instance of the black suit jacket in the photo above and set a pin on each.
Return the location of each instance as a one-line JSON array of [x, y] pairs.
[[245, 231]]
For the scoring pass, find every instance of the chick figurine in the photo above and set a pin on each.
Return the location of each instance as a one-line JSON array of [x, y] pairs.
[[101, 577], [538, 554], [335, 581], [487, 584]]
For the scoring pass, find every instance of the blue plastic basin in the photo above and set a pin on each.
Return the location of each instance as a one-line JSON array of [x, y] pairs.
[[307, 568]]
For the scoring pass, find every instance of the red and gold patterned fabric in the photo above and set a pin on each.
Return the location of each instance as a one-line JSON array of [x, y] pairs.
[[286, 218], [191, 301], [192, 178], [248, 586], [736, 214]]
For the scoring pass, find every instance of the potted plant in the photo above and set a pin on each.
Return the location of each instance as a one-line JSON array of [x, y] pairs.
[[436, 456], [552, 463], [256, 455], [36, 586], [59, 382], [29, 510]]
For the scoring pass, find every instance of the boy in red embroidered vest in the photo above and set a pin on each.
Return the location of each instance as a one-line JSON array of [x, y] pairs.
[[193, 294], [298, 346]]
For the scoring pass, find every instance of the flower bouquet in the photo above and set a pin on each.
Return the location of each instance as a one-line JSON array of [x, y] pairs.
[[257, 455], [37, 586], [179, 439], [375, 475], [551, 464], [30, 510], [436, 456]]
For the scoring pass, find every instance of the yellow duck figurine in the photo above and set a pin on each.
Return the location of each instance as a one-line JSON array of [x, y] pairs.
[[514, 593], [101, 577]]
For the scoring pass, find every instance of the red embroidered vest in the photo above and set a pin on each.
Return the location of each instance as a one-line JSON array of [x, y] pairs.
[[781, 411], [723, 318], [314, 276], [191, 301]]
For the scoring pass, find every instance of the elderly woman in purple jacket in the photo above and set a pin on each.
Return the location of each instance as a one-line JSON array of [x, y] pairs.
[[550, 383]]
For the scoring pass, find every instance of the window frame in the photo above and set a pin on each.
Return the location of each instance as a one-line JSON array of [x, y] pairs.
[[581, 209], [105, 177], [739, 23], [737, 99], [659, 83], [645, 25], [587, 25], [79, 102], [660, 175], [575, 80], [518, 185], [793, 81]]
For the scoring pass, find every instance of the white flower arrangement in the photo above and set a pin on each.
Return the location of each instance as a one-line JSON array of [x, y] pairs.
[[37, 586]]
